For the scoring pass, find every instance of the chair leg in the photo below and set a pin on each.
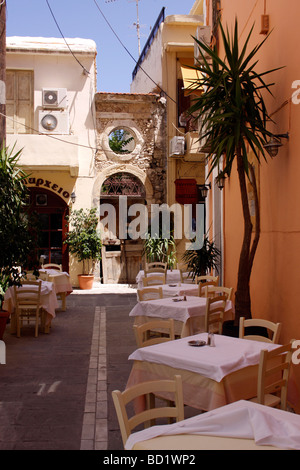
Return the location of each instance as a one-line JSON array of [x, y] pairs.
[[37, 324], [18, 325]]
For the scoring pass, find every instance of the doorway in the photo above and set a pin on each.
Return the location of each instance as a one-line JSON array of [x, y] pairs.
[[51, 212], [121, 258]]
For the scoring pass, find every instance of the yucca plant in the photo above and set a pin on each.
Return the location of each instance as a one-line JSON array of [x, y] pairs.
[[16, 237], [202, 261], [235, 119]]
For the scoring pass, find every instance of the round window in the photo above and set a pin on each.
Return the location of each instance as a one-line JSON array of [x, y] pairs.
[[121, 141]]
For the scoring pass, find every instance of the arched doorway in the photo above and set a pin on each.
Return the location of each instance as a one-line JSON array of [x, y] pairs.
[[121, 257], [51, 212]]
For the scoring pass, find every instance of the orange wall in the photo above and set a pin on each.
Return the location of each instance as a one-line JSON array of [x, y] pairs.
[[275, 281]]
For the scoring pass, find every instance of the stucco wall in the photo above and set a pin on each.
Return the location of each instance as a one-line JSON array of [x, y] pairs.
[[275, 277]]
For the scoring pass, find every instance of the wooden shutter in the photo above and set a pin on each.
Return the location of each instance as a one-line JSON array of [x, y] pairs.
[[19, 101]]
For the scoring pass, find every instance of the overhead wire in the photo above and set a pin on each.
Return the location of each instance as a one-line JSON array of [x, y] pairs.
[[53, 16], [120, 41], [128, 52]]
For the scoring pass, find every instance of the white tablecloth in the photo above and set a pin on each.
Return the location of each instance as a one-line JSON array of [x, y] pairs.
[[241, 420], [172, 277], [178, 289], [178, 309], [61, 280], [228, 355]]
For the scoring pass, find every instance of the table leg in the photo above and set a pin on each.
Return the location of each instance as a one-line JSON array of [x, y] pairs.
[[63, 300]]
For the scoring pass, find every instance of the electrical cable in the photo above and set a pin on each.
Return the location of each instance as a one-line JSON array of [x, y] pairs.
[[49, 135], [84, 69], [128, 52]]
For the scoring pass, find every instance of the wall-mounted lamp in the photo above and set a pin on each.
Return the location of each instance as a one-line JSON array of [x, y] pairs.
[[73, 197], [274, 143], [220, 180], [204, 189]]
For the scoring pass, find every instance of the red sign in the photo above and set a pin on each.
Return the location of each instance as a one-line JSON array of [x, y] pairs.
[[186, 191]]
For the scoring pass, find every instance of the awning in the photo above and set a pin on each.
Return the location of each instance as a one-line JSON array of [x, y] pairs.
[[190, 77]]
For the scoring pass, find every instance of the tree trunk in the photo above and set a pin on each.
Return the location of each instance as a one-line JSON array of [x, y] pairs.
[[242, 295]]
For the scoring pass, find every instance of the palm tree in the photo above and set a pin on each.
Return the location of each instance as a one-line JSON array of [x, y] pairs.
[[234, 119]]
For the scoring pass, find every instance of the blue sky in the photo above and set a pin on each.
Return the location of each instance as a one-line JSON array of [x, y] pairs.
[[82, 19]]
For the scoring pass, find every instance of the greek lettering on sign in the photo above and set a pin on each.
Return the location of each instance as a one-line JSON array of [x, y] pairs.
[[40, 182]]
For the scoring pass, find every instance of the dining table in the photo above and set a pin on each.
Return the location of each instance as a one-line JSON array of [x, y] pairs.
[[177, 289], [61, 282], [187, 311], [212, 376], [241, 425], [172, 277], [48, 301]]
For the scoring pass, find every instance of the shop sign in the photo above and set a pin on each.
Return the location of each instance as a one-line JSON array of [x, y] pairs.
[[186, 191], [41, 183]]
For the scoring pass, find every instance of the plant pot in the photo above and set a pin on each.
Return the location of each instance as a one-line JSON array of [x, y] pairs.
[[4, 316], [86, 281]]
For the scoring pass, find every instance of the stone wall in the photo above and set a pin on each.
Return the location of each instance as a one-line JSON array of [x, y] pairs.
[[145, 117]]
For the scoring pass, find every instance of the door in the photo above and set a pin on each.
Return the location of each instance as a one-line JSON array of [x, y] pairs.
[[51, 213]]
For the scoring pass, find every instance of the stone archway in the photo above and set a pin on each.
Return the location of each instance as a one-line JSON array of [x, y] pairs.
[[121, 168]]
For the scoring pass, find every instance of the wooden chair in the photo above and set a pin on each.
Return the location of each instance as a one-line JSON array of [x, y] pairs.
[[151, 293], [148, 416], [202, 285], [155, 280], [156, 267], [186, 277], [213, 291], [215, 308], [58, 267], [273, 330], [28, 304], [273, 375], [29, 276], [154, 332], [207, 278]]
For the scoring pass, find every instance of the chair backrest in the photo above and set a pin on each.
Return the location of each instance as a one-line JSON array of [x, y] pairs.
[[29, 294], [29, 276], [151, 332], [215, 308], [156, 267], [207, 278], [186, 276], [213, 291], [273, 330], [154, 280], [121, 399], [52, 266], [273, 374], [202, 285], [150, 293]]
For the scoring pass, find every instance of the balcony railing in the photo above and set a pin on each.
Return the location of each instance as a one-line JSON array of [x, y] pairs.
[[160, 19]]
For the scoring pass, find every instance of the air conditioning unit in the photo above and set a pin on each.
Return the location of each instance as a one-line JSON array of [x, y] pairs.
[[203, 34], [177, 146], [55, 98], [53, 122]]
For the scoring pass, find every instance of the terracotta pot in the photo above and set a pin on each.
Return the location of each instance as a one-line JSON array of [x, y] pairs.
[[86, 281], [4, 316]]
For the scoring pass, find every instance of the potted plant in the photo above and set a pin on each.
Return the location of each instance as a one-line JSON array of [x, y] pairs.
[[85, 243], [16, 238], [202, 261], [160, 249]]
